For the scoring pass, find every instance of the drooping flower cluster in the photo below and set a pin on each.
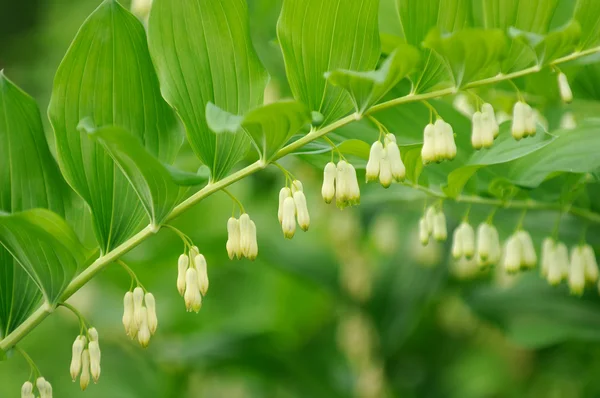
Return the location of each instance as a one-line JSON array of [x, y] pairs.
[[292, 207], [554, 264], [463, 241], [139, 315], [438, 142], [241, 238], [519, 252], [485, 127], [524, 121], [43, 386], [583, 268], [488, 248], [340, 181], [85, 361], [385, 162], [565, 90], [192, 277], [433, 223]]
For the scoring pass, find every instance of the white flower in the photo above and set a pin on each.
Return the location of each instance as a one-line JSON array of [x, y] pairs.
[[519, 125], [144, 334], [440, 143], [302, 210], [530, 121], [428, 151], [253, 250], [192, 296], [591, 266], [297, 186], [548, 249], [477, 133], [288, 224], [440, 231], [484, 243], [424, 231], [245, 234], [385, 172], [577, 271], [44, 388], [528, 255], [182, 266], [138, 304], [201, 267], [567, 121], [284, 193], [84, 379], [430, 218], [565, 90], [193, 253], [512, 254], [151, 312], [457, 243], [78, 347], [27, 390], [347, 190], [484, 129], [557, 262], [233, 239], [468, 240], [352, 185], [450, 143], [393, 154], [373, 165], [95, 356], [329, 177], [128, 317], [489, 118]]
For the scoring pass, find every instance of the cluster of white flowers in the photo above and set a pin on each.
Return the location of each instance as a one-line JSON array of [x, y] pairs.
[[463, 241], [139, 315], [86, 360], [341, 182], [43, 386], [438, 142], [565, 90], [488, 247], [192, 276], [583, 268], [555, 261], [292, 207], [524, 121], [485, 127], [385, 162], [433, 223], [241, 240], [519, 252]]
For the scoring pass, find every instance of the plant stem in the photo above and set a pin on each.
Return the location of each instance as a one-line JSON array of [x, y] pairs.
[[102, 262]]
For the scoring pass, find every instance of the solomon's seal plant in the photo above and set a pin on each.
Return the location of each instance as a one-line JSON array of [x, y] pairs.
[[365, 110]]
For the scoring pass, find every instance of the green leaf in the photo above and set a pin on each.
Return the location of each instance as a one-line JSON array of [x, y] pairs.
[[29, 178], [458, 178], [553, 45], [320, 36], [586, 13], [45, 246], [107, 75], [367, 88], [471, 53], [158, 190], [203, 53], [269, 126]]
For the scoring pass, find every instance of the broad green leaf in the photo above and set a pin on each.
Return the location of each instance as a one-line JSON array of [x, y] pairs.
[[107, 75], [29, 178], [573, 151], [320, 36], [367, 88], [158, 190], [532, 16], [203, 53], [411, 157], [471, 53], [45, 246], [269, 126], [553, 45], [458, 178], [418, 18], [586, 13]]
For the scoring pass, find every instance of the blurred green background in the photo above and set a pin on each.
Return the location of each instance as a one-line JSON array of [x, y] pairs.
[[353, 308]]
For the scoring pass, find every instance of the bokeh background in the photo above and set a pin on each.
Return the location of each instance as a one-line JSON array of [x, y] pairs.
[[356, 307]]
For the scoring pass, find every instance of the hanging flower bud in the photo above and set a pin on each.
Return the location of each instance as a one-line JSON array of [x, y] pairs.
[[329, 177], [430, 217], [468, 240], [484, 243], [577, 271], [192, 296], [27, 390], [373, 165], [94, 349], [78, 347], [128, 317], [530, 121], [489, 118], [476, 135], [44, 388], [440, 231], [253, 252], [450, 143], [528, 255], [193, 253], [245, 234], [182, 266], [428, 150], [302, 210], [547, 255], [385, 172], [562, 256], [393, 154], [496, 249], [284, 193], [297, 186], [440, 143], [512, 255], [48, 389], [519, 126], [423, 231], [84, 379], [144, 333], [151, 312], [352, 186], [557, 263], [591, 266], [138, 303], [288, 225], [565, 90], [457, 243], [233, 239], [201, 267]]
